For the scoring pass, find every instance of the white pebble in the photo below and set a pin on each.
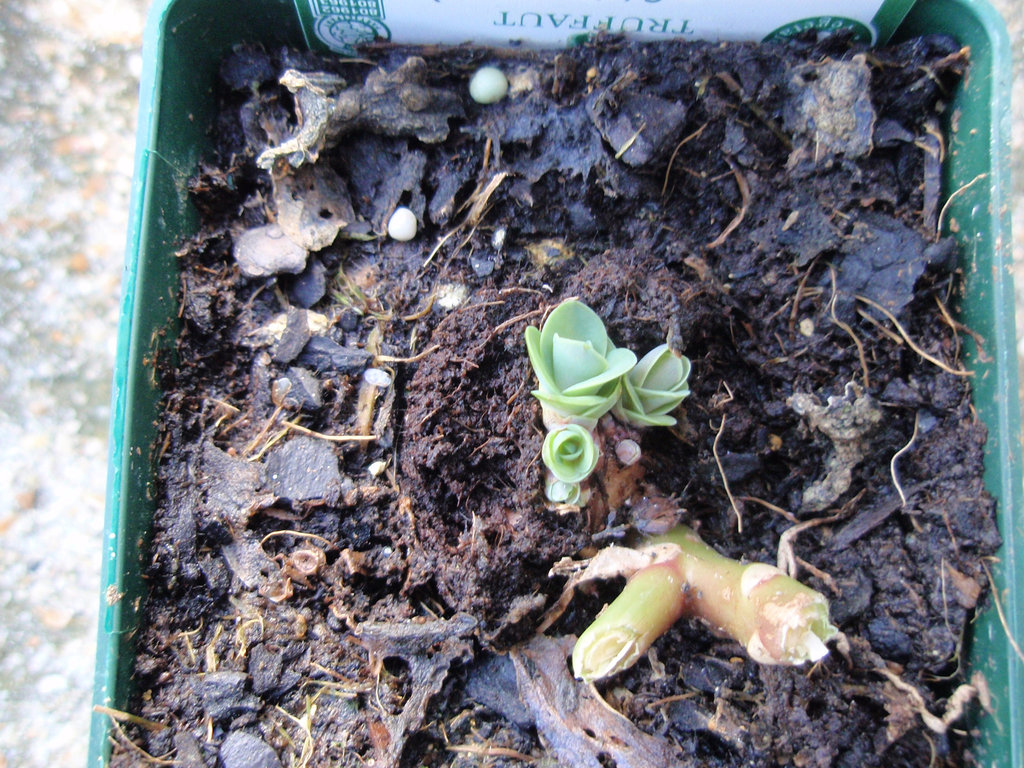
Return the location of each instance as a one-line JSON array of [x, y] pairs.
[[488, 85], [377, 377], [402, 225]]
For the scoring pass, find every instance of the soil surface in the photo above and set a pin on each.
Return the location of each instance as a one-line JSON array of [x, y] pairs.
[[351, 555]]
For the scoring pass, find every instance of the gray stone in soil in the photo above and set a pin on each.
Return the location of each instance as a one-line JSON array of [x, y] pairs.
[[641, 129], [830, 108], [310, 286], [294, 338], [306, 392], [229, 485], [492, 682], [482, 265], [265, 668], [882, 259], [304, 469], [888, 640], [223, 694], [247, 560], [265, 251], [187, 751], [324, 354], [244, 750]]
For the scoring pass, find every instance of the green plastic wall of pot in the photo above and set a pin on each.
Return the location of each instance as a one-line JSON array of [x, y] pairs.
[[978, 193], [183, 44], [184, 41]]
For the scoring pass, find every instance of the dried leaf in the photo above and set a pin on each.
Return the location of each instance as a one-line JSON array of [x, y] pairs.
[[577, 727], [429, 648], [848, 421], [313, 206]]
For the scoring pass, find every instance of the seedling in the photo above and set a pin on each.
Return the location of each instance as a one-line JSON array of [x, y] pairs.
[[653, 388], [582, 376], [570, 453], [579, 369]]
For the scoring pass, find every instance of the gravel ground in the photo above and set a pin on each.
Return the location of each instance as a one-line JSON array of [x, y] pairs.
[[68, 92], [68, 83]]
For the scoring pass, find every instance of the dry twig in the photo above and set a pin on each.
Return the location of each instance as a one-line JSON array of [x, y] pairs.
[[671, 160], [487, 750], [1002, 615], [721, 469], [900, 452], [849, 331], [741, 182], [952, 197], [910, 342]]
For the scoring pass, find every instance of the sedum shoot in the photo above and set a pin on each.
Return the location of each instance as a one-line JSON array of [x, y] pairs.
[[560, 492], [578, 368], [651, 602], [570, 453], [582, 376], [655, 386], [776, 618]]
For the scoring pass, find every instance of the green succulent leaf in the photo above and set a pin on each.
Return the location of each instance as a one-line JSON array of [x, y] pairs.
[[578, 369], [578, 363], [653, 388], [562, 493], [570, 453]]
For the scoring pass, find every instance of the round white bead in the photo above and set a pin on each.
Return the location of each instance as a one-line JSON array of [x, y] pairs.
[[402, 225], [488, 85]]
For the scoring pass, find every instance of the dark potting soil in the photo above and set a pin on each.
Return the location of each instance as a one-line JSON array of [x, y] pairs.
[[321, 600]]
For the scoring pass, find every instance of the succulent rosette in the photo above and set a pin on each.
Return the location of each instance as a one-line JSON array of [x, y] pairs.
[[570, 453], [653, 388], [564, 493], [578, 368]]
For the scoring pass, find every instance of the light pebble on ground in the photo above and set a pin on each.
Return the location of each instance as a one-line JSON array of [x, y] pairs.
[[264, 251], [402, 225], [488, 85]]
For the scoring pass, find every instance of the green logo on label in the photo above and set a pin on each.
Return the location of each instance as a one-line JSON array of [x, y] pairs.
[[860, 31], [341, 25]]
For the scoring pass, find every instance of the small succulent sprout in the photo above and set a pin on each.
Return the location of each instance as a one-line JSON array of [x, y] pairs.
[[570, 453], [578, 368], [402, 225], [653, 388], [559, 492], [488, 85]]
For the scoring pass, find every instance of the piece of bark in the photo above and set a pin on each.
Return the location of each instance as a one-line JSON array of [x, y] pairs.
[[395, 103], [577, 728]]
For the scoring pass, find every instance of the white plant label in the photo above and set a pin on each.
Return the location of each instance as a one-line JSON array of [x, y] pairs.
[[340, 25]]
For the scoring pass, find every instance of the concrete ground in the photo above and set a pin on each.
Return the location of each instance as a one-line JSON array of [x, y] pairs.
[[68, 88]]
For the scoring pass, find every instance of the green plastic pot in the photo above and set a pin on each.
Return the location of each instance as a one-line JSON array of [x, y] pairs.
[[184, 42]]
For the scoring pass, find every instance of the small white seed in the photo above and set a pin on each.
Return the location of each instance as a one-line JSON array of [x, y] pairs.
[[402, 225], [488, 85]]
